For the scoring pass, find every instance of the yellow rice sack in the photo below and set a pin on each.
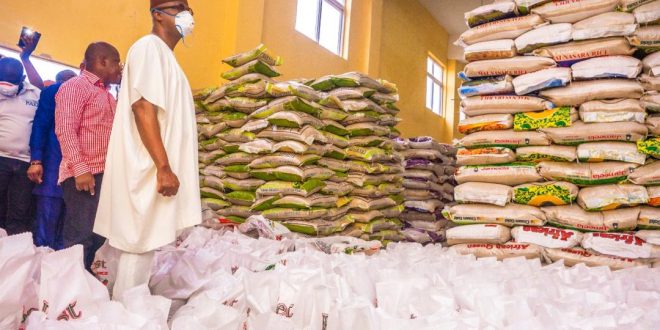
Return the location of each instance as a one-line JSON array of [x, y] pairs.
[[552, 193]]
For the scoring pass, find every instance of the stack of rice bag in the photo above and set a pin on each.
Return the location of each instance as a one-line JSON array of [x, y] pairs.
[[429, 186], [315, 155], [369, 177], [555, 104]]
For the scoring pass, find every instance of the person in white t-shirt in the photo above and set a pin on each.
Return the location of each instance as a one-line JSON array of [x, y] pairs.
[[18, 104], [151, 183]]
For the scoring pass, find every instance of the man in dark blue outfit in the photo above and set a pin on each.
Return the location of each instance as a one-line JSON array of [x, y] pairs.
[[44, 168]]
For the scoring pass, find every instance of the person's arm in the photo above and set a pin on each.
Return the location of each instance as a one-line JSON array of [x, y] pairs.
[[43, 123], [146, 119], [69, 105], [32, 74]]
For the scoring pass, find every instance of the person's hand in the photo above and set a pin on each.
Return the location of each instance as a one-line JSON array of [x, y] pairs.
[[167, 182], [35, 173], [86, 182], [30, 44]]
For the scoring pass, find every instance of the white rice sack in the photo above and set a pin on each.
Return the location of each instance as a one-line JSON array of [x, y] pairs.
[[612, 24], [509, 28], [507, 139], [650, 236], [499, 251], [574, 10], [649, 218], [651, 64], [492, 12], [647, 38], [620, 245], [553, 153], [626, 67], [586, 174], [540, 80], [611, 197], [483, 193], [609, 111], [574, 217], [615, 151], [514, 66], [545, 35], [651, 101], [576, 255], [650, 83], [493, 85], [492, 122], [503, 104], [575, 51], [484, 156], [490, 50], [510, 215], [548, 237], [648, 13], [508, 174], [580, 132], [629, 5], [580, 92], [647, 175], [479, 233]]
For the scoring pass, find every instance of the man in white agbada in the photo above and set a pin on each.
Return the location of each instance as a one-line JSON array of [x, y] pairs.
[[151, 183]]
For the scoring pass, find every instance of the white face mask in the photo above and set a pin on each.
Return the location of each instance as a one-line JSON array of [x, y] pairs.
[[185, 23], [8, 89]]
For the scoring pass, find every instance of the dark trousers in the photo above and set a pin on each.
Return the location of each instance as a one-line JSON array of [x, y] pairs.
[[79, 218], [49, 222], [15, 196]]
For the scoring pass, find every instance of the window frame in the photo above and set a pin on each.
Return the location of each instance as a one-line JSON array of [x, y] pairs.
[[319, 14], [441, 83]]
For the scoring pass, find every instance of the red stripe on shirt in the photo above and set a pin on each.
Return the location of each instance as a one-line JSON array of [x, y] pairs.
[[84, 113]]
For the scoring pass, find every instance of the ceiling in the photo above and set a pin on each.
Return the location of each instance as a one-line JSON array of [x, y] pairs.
[[449, 13]]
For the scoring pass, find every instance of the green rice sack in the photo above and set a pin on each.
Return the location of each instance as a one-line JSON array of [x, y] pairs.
[[558, 117], [553, 193]]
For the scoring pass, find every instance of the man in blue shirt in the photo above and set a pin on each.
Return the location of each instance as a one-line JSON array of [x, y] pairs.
[[44, 168]]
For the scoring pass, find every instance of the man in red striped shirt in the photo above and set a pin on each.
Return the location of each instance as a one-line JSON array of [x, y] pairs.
[[84, 113]]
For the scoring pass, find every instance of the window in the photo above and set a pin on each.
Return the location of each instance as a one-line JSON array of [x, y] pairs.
[[46, 69], [435, 74], [323, 22]]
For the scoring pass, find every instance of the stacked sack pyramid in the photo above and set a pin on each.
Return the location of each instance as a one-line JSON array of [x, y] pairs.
[[315, 155], [429, 186], [555, 162]]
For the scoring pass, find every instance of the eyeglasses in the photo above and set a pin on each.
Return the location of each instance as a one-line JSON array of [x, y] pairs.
[[179, 8]]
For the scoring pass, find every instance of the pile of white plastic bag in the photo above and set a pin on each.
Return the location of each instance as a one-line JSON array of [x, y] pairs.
[[227, 280]]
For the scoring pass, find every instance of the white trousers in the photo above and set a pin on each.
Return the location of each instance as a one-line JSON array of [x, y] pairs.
[[133, 270]]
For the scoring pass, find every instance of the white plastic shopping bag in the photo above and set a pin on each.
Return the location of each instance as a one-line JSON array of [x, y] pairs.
[[18, 287], [105, 265]]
